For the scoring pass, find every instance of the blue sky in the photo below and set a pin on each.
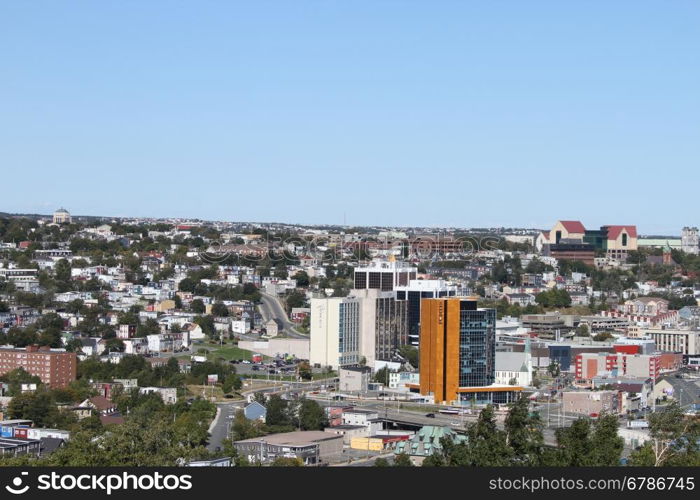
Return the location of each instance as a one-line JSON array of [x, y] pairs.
[[448, 113]]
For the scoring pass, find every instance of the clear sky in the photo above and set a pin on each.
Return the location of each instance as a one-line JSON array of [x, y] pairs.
[[437, 113]]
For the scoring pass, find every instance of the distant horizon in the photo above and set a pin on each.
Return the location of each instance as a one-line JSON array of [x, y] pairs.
[[477, 226], [362, 113]]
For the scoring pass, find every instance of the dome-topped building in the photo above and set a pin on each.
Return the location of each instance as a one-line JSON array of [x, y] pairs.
[[61, 216]]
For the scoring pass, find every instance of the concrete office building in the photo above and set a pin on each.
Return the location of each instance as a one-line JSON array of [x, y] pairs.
[[675, 340], [690, 242], [383, 325], [335, 332], [312, 447], [354, 378], [591, 402], [384, 275]]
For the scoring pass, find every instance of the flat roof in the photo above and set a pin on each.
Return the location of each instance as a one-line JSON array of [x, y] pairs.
[[297, 438], [490, 388]]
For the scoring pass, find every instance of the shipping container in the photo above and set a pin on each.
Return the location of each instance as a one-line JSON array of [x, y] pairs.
[[21, 432]]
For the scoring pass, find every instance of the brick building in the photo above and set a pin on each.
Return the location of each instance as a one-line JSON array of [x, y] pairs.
[[55, 367], [591, 365]]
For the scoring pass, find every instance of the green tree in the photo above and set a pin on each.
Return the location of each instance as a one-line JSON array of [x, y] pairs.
[[402, 460], [553, 369], [606, 444], [603, 336], [232, 383], [197, 306], [304, 370], [149, 327], [487, 444], [302, 279], [674, 440], [277, 411], [582, 330], [286, 462], [589, 445], [410, 354], [16, 378], [242, 428], [311, 416], [114, 345], [295, 299], [219, 309], [524, 434]]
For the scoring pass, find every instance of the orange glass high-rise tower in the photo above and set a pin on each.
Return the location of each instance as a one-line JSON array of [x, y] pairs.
[[457, 349]]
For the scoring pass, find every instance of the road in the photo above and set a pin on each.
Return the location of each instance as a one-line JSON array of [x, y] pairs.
[[271, 307], [686, 390], [219, 429], [220, 426]]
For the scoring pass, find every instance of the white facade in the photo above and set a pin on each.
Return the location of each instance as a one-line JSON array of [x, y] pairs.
[[514, 366], [359, 417], [167, 394], [240, 326], [399, 380], [168, 341], [138, 345], [690, 241], [675, 340], [335, 332]]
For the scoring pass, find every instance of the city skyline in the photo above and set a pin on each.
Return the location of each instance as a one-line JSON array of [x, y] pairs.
[[673, 233], [468, 115]]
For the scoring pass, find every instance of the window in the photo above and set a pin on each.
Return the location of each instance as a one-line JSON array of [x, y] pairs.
[[624, 240]]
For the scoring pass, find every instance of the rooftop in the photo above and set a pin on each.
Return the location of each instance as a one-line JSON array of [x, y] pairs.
[[297, 438]]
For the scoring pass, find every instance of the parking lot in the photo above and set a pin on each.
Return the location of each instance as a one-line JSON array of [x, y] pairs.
[[265, 369]]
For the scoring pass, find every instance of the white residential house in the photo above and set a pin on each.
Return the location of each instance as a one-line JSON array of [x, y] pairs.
[[167, 394]]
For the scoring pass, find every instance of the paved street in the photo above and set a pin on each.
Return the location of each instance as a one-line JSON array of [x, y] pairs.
[[686, 390], [271, 307], [220, 426]]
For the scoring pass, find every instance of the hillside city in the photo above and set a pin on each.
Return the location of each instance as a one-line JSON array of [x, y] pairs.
[[173, 342]]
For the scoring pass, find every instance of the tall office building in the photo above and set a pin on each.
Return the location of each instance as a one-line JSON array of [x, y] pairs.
[[383, 325], [384, 275], [335, 332], [690, 241], [458, 351], [413, 293]]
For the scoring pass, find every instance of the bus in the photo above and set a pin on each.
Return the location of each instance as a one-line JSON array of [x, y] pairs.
[[451, 411]]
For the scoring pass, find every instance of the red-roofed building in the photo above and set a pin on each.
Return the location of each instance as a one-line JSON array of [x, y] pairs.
[[569, 239], [566, 230], [620, 240]]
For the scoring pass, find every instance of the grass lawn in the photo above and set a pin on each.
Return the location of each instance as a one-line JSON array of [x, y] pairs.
[[229, 353], [208, 391]]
